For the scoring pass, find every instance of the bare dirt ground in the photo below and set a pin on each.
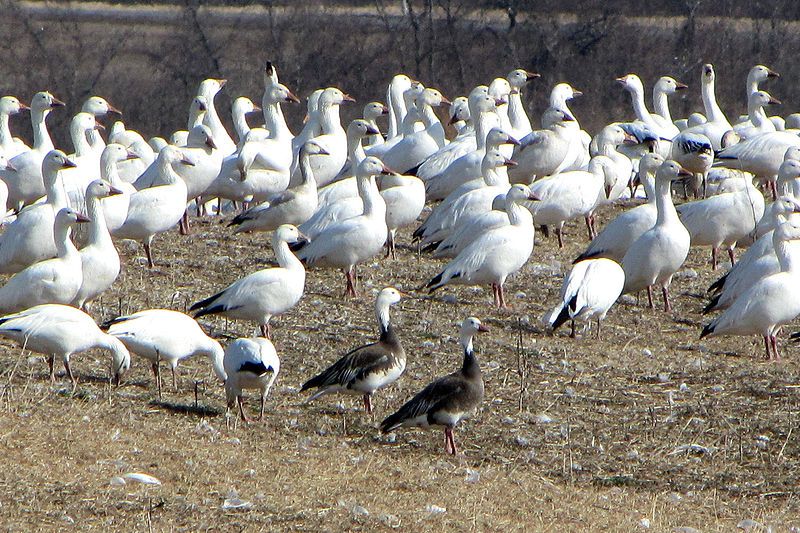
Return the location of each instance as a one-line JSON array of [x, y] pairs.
[[648, 426]]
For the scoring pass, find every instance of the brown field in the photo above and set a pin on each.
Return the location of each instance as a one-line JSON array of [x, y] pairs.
[[574, 435]]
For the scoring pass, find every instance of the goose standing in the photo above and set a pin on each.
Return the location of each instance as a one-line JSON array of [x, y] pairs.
[[311, 126], [266, 293], [619, 172], [758, 122], [99, 257], [115, 208], [157, 209], [166, 335], [249, 364], [588, 291], [770, 303], [86, 158], [209, 89], [367, 368], [756, 75], [448, 400], [493, 256], [98, 106], [373, 111], [520, 123], [10, 146], [344, 185], [129, 171], [55, 280], [716, 125], [30, 237], [548, 151], [348, 242], [660, 251], [61, 330], [405, 198], [633, 84], [662, 90], [242, 107]]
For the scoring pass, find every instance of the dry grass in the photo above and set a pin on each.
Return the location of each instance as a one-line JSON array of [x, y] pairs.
[[619, 411]]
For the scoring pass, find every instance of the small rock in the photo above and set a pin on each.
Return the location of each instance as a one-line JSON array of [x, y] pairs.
[[520, 295], [145, 479], [449, 299], [663, 377], [428, 345], [507, 420], [359, 510], [235, 441], [249, 473], [688, 273], [472, 476], [685, 529], [684, 388], [522, 441], [717, 388], [748, 524], [116, 481], [647, 353], [542, 419], [645, 523]]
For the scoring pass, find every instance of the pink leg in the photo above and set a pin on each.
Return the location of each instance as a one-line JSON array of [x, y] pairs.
[[451, 441], [774, 342], [665, 294], [650, 297], [714, 258], [502, 296], [732, 256], [368, 404], [768, 347]]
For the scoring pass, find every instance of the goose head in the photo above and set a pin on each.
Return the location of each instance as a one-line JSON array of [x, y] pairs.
[[410, 95], [632, 83], [792, 152], [333, 96], [172, 155], [373, 110], [156, 143], [280, 94], [468, 329], [648, 165], [459, 110], [68, 217], [210, 87], [500, 89], [54, 161], [668, 85], [480, 102], [81, 125], [762, 98], [372, 166], [670, 171], [496, 137], [120, 358], [289, 234], [99, 107], [519, 77], [519, 193], [270, 74], [761, 73], [312, 148], [10, 105], [201, 137], [360, 128], [785, 206], [115, 153], [44, 102], [563, 92], [5, 164], [431, 97], [495, 159], [386, 297], [312, 104], [556, 118], [789, 170], [788, 230], [243, 105], [101, 189], [708, 76], [197, 109]]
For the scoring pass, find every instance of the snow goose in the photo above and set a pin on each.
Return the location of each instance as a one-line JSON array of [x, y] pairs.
[[129, 171], [249, 364], [449, 399], [724, 219], [758, 122], [373, 111], [633, 84], [157, 209], [9, 146], [755, 76], [756, 263], [87, 160], [492, 256], [716, 125], [60, 330], [560, 95], [664, 87], [98, 107], [348, 242], [261, 295], [588, 291], [394, 99], [659, 252], [520, 123], [333, 138], [466, 201], [201, 149], [768, 304], [414, 148], [209, 89], [30, 237], [619, 173], [571, 194], [166, 335], [55, 280], [26, 182], [367, 368], [547, 151], [615, 239], [197, 111], [405, 198], [99, 257], [344, 184], [241, 107], [292, 206], [460, 117], [760, 155], [311, 126], [470, 229], [115, 208]]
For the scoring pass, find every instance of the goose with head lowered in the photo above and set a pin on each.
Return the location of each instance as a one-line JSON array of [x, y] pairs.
[[448, 400], [261, 295], [249, 364], [166, 335], [61, 330], [346, 243], [55, 280], [367, 368]]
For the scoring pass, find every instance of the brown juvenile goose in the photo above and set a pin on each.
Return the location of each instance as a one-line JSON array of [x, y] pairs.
[[449, 399], [366, 368]]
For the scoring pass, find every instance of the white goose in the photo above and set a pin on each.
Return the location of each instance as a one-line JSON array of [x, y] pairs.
[[61, 330], [55, 280], [30, 237], [619, 173], [9, 145], [242, 107], [460, 118], [346, 243], [99, 257], [547, 151], [662, 90], [292, 206], [588, 291], [115, 208], [758, 122], [209, 89], [261, 295], [26, 182], [344, 185], [660, 251], [756, 75], [760, 155], [249, 364], [716, 125], [770, 303], [166, 335], [372, 112], [633, 84], [157, 209], [98, 107], [86, 158], [311, 126], [493, 256], [518, 117], [129, 171], [405, 198]]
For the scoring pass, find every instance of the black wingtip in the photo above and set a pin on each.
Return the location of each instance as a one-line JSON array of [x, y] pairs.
[[719, 284], [708, 329], [587, 255], [712, 305], [434, 283]]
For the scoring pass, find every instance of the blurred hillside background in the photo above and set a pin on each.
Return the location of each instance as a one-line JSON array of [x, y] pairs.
[[148, 57]]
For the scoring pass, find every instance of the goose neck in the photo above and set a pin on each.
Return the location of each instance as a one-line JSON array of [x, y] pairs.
[[382, 315], [756, 112], [80, 140], [240, 125], [429, 117], [5, 131], [98, 231], [639, 107], [216, 354], [109, 171], [713, 111], [470, 367], [286, 259], [56, 195], [397, 110], [274, 120], [661, 105], [330, 122], [41, 137], [307, 173], [666, 209], [374, 206], [64, 246], [496, 177], [516, 113]]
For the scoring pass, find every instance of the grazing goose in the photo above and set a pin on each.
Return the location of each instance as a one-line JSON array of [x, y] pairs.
[[768, 304], [716, 125], [723, 219], [60, 330], [249, 364], [30, 237], [660, 251], [9, 145], [99, 257], [615, 239], [492, 256], [55, 280], [98, 107], [373, 111], [26, 181], [115, 208], [588, 291], [157, 209], [261, 295], [345, 243], [367, 368], [292, 206], [166, 335], [448, 400]]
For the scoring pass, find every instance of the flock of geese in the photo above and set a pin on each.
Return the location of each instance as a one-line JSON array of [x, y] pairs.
[[335, 197]]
